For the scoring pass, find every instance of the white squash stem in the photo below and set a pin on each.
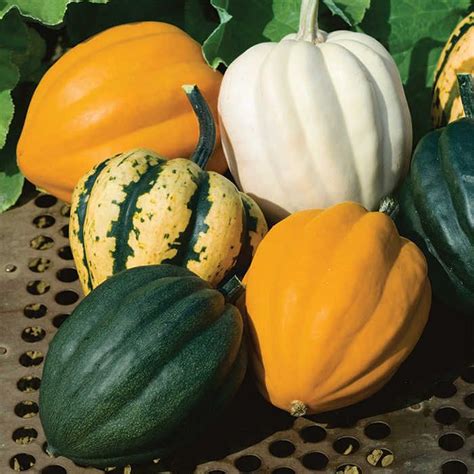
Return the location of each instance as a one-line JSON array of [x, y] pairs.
[[308, 30]]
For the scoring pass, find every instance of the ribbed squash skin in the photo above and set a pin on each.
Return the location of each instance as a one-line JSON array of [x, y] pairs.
[[336, 301], [139, 367], [456, 57], [437, 210], [117, 91], [139, 209]]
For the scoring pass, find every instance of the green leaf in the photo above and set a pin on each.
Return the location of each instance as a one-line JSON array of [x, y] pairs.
[[49, 12], [13, 40], [351, 11], [196, 17], [11, 179], [244, 23], [415, 31], [29, 62]]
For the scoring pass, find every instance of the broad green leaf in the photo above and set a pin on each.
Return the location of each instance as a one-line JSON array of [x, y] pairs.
[[354, 9], [49, 12], [415, 31], [196, 17], [11, 179], [13, 41], [244, 23], [29, 62]]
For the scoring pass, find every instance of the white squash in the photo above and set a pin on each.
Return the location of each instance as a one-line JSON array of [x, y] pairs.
[[315, 119]]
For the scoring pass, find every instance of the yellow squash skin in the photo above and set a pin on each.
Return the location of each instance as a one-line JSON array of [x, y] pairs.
[[140, 209], [336, 301], [117, 91], [456, 57]]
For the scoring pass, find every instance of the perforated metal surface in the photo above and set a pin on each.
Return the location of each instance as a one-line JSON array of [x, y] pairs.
[[421, 422]]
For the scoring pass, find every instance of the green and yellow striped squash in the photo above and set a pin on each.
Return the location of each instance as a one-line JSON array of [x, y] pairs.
[[138, 208], [456, 57]]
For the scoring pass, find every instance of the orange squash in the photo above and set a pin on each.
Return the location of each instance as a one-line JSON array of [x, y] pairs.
[[336, 301], [117, 91]]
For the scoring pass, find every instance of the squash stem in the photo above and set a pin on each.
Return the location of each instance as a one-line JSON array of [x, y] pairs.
[[207, 128], [466, 91], [389, 205], [308, 29], [232, 289]]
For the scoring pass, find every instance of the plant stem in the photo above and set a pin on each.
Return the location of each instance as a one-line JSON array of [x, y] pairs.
[[389, 206], [466, 91], [232, 289], [308, 30], [207, 128]]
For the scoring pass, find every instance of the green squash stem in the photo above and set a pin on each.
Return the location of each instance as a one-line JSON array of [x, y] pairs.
[[207, 128], [466, 91], [389, 205], [308, 30], [232, 289]]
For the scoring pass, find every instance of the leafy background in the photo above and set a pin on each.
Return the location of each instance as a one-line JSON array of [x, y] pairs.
[[34, 33]]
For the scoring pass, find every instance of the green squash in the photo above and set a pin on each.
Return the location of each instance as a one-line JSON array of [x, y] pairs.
[[138, 208], [437, 205], [145, 360]]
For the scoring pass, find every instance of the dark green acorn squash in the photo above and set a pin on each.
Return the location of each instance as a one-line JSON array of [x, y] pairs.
[[144, 361], [437, 205]]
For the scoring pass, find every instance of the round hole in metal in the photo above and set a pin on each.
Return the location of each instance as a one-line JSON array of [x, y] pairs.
[[66, 297], [3, 350], [44, 221], [315, 460], [313, 434], [377, 430], [454, 467], [468, 374], [54, 469], [348, 469], [39, 264], [35, 310], [281, 448], [447, 415], [67, 275], [65, 210], [346, 445], [28, 383], [31, 358], [470, 426], [41, 242], [64, 231], [38, 287], [444, 389], [469, 400], [10, 268], [22, 462], [59, 319], [45, 200], [248, 463], [24, 435], [65, 252], [451, 442], [216, 471], [380, 457], [283, 470], [26, 409], [33, 334]]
